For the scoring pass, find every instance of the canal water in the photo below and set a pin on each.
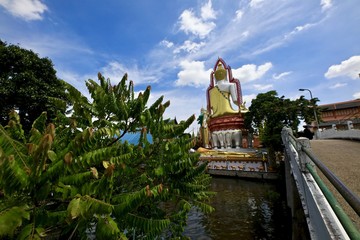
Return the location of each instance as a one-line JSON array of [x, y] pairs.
[[244, 210]]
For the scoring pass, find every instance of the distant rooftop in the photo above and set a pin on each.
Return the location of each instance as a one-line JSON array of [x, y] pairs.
[[341, 105]]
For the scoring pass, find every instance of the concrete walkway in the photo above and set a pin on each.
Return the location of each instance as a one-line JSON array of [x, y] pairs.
[[342, 157]]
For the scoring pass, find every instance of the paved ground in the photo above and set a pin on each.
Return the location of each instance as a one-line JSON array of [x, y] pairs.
[[342, 157]]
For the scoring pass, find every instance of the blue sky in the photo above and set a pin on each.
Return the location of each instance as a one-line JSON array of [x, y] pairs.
[[280, 45]]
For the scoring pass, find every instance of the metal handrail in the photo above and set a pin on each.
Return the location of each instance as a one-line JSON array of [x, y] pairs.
[[306, 161], [343, 217], [349, 196]]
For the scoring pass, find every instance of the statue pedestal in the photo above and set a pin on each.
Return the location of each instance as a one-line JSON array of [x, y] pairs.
[[228, 132], [232, 122]]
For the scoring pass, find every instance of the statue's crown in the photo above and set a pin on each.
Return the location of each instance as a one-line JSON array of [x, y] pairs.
[[220, 72]]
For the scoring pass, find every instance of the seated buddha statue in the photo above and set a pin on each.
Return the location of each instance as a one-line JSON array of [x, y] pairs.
[[220, 95]]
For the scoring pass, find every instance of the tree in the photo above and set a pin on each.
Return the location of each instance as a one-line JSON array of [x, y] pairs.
[[76, 177], [306, 109], [27, 84], [268, 114]]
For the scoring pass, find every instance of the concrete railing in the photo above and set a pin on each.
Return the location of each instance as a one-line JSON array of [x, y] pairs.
[[353, 134], [309, 198]]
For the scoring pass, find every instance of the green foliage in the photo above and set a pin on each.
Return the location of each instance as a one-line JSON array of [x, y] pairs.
[[75, 176], [12, 218], [306, 109], [268, 114], [27, 84]]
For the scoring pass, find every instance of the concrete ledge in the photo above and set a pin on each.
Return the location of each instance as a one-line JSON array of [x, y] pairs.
[[353, 134], [244, 174]]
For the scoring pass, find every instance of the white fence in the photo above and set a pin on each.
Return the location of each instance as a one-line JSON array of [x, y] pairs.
[[350, 133], [353, 134]]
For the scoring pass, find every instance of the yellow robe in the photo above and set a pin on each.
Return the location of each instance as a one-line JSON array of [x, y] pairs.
[[220, 103]]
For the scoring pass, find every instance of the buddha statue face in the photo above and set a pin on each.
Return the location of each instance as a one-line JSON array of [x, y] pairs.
[[220, 73]]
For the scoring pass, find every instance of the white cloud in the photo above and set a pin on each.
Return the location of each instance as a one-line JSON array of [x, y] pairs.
[[182, 105], [325, 4], [281, 75], [338, 85], [115, 71], [348, 68], [63, 45], [250, 72], [207, 12], [357, 95], [299, 29], [302, 28], [26, 9], [245, 34], [166, 43], [256, 3], [258, 31], [239, 13], [278, 41], [248, 98], [189, 46], [200, 27], [261, 87], [193, 73], [76, 80]]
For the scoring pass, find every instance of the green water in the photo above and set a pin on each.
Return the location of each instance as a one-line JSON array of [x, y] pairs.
[[244, 210]]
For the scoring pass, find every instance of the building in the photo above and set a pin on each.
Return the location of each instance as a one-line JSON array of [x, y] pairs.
[[339, 114]]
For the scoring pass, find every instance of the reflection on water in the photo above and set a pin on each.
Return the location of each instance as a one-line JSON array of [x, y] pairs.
[[244, 210]]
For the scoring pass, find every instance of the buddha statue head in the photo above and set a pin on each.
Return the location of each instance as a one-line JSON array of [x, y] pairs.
[[220, 73]]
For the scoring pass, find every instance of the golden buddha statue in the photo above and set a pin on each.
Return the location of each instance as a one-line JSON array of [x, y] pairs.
[[220, 94]]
